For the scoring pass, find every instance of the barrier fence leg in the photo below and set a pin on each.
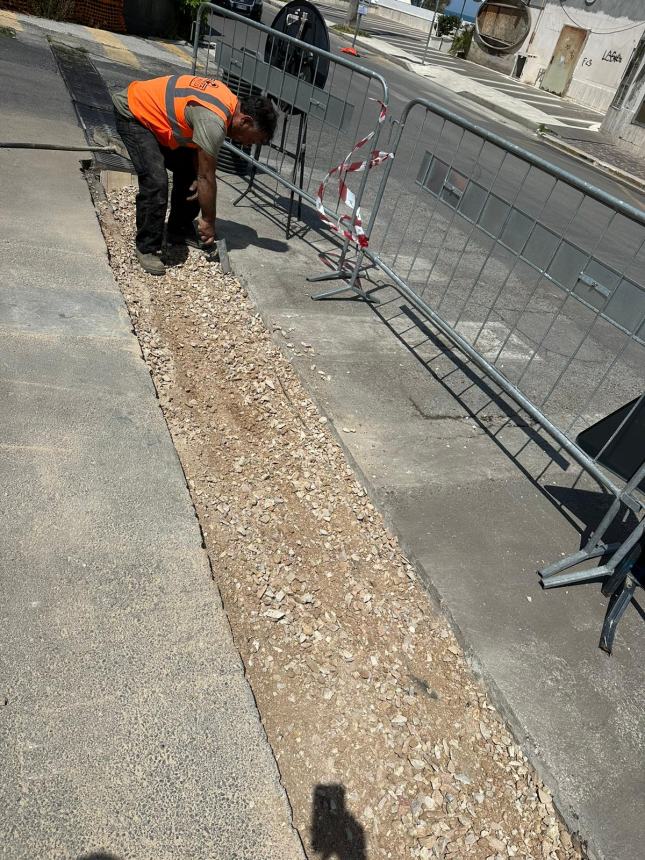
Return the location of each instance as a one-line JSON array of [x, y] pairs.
[[337, 274], [298, 162], [359, 268], [252, 176], [595, 546], [619, 553], [621, 582], [617, 606]]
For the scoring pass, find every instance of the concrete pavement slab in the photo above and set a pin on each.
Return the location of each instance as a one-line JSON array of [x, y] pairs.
[[30, 181], [54, 267], [101, 467], [42, 360], [126, 722], [50, 310]]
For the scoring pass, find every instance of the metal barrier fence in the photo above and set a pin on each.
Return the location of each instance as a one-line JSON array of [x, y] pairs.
[[327, 103], [539, 279], [536, 276]]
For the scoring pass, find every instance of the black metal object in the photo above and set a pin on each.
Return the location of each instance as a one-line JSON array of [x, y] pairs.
[[617, 442], [620, 588], [302, 21]]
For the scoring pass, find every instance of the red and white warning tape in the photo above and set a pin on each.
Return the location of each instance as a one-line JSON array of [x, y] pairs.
[[351, 228]]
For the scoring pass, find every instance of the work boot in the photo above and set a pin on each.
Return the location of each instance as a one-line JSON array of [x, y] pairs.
[[150, 263]]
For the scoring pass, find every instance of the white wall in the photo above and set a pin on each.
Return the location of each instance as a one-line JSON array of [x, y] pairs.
[[406, 6], [404, 12], [604, 56], [619, 121]]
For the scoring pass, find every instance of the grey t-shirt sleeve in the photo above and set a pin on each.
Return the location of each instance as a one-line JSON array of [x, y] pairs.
[[120, 102], [208, 129]]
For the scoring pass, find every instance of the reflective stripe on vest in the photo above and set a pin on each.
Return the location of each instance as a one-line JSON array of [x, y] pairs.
[[171, 113], [160, 105]]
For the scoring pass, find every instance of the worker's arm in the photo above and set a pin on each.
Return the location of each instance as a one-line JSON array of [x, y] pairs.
[[206, 195]]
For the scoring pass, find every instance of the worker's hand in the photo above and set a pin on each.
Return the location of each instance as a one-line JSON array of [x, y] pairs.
[[206, 230], [193, 192]]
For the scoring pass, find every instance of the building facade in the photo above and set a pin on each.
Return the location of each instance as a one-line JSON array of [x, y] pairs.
[[625, 119], [582, 48]]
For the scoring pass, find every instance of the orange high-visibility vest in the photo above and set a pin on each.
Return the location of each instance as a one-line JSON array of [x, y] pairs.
[[160, 105]]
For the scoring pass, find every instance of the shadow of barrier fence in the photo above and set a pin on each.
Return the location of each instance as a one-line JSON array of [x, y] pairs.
[[536, 276]]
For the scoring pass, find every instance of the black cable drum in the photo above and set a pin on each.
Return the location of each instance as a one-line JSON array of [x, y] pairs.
[[302, 21], [501, 26]]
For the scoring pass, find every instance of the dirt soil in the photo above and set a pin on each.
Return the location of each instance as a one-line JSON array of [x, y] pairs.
[[387, 744]]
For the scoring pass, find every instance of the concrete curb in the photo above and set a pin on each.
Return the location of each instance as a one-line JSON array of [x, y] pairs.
[[616, 173]]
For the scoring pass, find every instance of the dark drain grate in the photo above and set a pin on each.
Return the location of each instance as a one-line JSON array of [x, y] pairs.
[[112, 161], [229, 162], [92, 103]]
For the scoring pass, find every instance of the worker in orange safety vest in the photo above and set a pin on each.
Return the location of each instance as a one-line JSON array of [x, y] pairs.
[[178, 123]]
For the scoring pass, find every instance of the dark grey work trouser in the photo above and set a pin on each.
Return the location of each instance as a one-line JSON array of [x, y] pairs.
[[151, 161]]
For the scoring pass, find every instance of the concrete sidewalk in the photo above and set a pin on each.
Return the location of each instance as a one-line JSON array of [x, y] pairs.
[[601, 152], [126, 723]]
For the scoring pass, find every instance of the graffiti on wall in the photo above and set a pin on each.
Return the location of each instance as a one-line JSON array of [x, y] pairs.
[[612, 57]]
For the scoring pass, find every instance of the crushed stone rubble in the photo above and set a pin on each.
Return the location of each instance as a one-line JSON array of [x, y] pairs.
[[360, 683]]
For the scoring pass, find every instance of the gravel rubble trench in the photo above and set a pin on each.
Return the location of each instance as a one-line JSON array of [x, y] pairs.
[[387, 745]]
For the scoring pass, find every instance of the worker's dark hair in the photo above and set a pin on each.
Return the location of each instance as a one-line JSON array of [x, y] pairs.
[[261, 110]]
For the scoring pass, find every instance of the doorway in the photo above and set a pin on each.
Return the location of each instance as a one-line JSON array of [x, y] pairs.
[[560, 70]]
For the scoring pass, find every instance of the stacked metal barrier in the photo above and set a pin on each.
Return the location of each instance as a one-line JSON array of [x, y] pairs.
[[339, 100]]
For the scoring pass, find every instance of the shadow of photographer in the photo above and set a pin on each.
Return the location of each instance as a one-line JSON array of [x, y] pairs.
[[334, 830], [99, 855]]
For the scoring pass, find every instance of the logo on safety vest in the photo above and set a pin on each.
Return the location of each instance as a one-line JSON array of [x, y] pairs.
[[202, 83]]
